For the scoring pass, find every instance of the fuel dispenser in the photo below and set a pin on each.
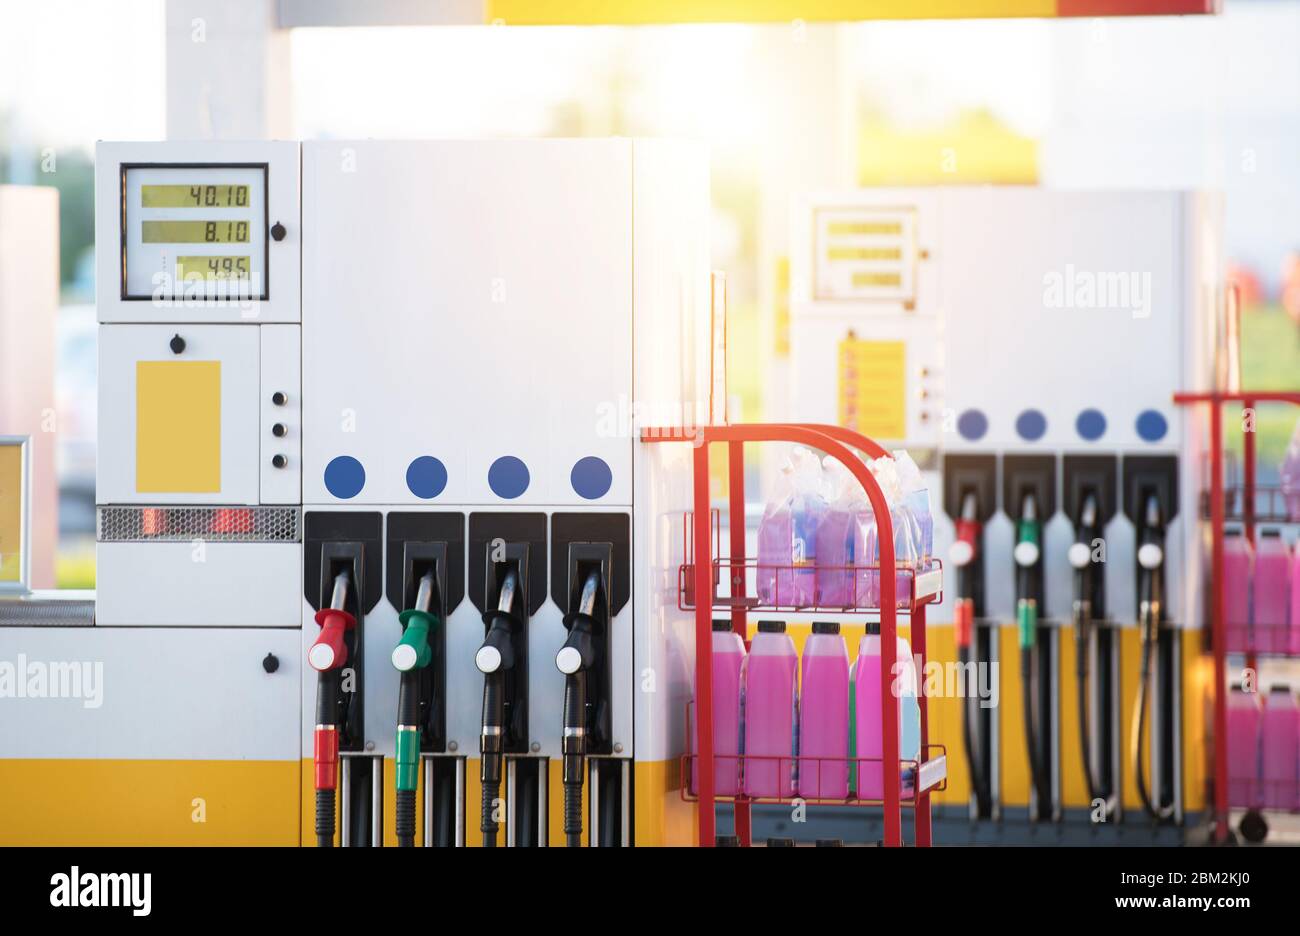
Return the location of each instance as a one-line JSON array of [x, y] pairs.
[[1151, 503], [1089, 489], [1029, 486], [897, 311], [970, 483], [251, 419]]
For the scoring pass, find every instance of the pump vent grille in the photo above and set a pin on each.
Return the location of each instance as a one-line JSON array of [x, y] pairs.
[[209, 524]]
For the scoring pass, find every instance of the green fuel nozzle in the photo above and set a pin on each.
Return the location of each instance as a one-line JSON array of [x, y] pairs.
[[411, 655], [1028, 552]]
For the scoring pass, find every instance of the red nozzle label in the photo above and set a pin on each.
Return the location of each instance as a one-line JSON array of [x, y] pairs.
[[329, 651], [964, 621], [326, 755]]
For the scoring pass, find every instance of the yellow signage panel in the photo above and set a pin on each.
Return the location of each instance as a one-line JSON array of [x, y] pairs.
[[633, 12], [873, 388], [178, 427], [12, 498]]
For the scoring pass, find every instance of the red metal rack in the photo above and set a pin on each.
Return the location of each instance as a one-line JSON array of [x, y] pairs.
[[1247, 502], [704, 573]]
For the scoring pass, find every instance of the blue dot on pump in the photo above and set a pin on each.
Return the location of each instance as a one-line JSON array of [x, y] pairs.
[[1151, 426], [972, 425], [344, 477], [426, 477], [1031, 425], [508, 477], [591, 477], [1091, 424]]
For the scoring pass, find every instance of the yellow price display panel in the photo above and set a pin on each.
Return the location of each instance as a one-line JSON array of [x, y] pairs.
[[178, 427], [873, 388], [13, 499], [194, 232], [212, 267], [193, 196]]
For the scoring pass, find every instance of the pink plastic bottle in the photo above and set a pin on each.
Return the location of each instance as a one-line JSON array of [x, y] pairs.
[[1281, 755], [728, 662], [1243, 749], [869, 742], [824, 714], [1294, 630], [771, 705], [1238, 559], [1272, 592]]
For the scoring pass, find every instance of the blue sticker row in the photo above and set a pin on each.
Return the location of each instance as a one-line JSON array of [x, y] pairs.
[[1090, 424], [508, 477]]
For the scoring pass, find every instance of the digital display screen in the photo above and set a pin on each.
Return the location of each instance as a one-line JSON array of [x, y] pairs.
[[212, 267], [194, 232], [193, 196]]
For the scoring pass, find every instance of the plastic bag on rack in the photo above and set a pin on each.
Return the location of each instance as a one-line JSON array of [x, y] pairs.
[[1290, 476], [837, 535], [787, 534], [899, 481]]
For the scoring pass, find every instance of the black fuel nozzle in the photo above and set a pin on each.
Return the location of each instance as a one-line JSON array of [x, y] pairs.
[[496, 660], [1151, 565], [1029, 594], [577, 661], [1151, 611]]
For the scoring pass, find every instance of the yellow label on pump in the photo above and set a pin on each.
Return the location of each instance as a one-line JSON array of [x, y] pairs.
[[11, 513], [873, 388], [178, 427]]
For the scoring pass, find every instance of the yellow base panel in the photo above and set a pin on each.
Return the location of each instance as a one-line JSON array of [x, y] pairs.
[[148, 802], [661, 817]]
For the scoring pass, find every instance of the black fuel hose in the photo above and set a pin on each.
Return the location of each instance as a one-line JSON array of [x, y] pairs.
[[974, 753], [1150, 636], [574, 747], [408, 715], [491, 744]]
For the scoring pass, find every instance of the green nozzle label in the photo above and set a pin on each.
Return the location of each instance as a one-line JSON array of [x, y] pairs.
[[408, 758], [1027, 621]]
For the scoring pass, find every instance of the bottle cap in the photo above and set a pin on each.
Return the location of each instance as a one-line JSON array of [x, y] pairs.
[[771, 627], [826, 627], [873, 627], [721, 625], [1281, 688], [1271, 533]]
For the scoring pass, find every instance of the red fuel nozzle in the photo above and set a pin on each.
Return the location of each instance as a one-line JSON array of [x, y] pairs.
[[329, 651]]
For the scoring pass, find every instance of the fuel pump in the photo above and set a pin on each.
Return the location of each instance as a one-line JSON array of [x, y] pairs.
[[415, 692], [969, 498], [1089, 485], [503, 661], [1150, 496], [585, 662], [335, 720]]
